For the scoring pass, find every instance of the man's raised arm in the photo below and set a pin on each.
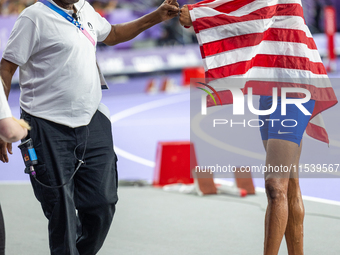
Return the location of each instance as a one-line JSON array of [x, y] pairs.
[[129, 30]]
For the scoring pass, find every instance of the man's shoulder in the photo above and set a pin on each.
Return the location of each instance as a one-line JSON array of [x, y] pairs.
[[82, 4], [34, 11]]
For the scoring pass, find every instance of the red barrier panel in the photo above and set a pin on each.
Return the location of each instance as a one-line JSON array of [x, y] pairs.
[[174, 161], [192, 73], [151, 87]]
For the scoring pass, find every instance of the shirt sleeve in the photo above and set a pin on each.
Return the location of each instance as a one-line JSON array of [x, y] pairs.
[[103, 28], [5, 111], [23, 41]]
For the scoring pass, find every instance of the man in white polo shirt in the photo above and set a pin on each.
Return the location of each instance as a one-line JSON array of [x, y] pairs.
[[54, 44]]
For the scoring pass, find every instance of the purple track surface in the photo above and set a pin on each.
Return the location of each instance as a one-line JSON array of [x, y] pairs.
[[138, 133]]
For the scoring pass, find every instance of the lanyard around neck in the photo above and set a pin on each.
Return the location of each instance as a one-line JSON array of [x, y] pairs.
[[69, 18]]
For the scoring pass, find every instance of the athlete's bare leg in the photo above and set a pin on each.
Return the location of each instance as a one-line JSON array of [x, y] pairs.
[[296, 213], [280, 153]]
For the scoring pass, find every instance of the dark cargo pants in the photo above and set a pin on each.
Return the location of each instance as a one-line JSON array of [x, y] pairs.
[[80, 213]]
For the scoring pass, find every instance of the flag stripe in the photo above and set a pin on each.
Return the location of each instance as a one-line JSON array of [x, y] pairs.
[[249, 8], [207, 10], [272, 34], [264, 13], [317, 132], [210, 3], [228, 8], [250, 27], [278, 61], [264, 48]]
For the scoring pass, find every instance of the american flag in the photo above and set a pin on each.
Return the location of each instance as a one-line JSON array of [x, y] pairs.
[[268, 44]]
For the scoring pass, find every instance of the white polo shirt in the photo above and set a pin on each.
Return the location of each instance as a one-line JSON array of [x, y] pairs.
[[5, 112], [58, 76]]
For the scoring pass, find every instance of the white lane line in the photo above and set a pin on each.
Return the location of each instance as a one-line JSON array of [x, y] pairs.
[[308, 198], [263, 190], [134, 158], [142, 108], [321, 200], [154, 122], [149, 106], [334, 143]]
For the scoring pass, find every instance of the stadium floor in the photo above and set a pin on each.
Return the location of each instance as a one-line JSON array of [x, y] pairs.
[[150, 221]]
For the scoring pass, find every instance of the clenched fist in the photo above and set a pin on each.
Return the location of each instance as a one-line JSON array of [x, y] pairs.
[[184, 17]]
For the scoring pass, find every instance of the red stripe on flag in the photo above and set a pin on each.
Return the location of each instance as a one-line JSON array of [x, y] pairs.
[[272, 34], [317, 132], [272, 61], [263, 13], [233, 6]]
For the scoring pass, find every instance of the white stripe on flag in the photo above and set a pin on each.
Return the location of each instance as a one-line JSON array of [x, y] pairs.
[[265, 47], [253, 6], [251, 27], [206, 11], [318, 120]]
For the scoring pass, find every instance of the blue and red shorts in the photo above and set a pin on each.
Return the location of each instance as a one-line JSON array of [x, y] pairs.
[[288, 127]]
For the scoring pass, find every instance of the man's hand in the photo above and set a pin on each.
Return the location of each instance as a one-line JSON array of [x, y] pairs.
[[4, 147], [184, 17], [168, 9]]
